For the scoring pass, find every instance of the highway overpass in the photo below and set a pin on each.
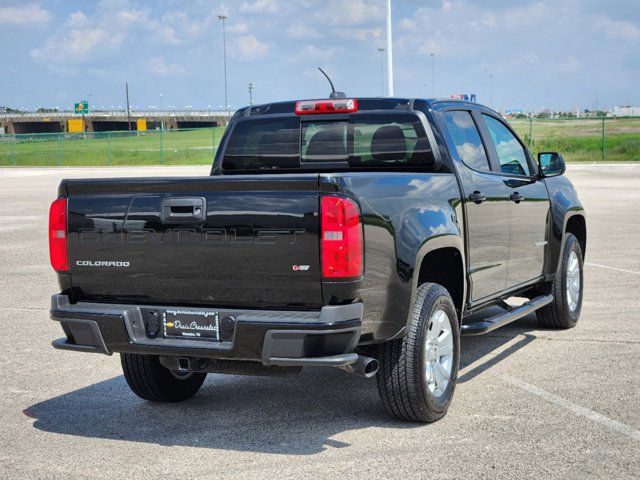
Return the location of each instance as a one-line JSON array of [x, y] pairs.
[[62, 122]]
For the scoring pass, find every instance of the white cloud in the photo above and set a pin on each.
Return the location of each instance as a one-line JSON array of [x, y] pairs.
[[359, 34], [350, 13], [25, 15], [84, 38], [248, 47], [183, 25], [408, 25], [241, 27], [128, 17], [159, 66], [302, 31], [261, 6], [618, 29], [311, 52], [489, 20], [76, 41], [569, 65]]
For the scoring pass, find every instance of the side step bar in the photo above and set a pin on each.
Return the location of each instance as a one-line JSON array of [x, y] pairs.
[[490, 324]]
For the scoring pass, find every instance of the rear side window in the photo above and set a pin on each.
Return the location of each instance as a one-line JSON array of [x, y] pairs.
[[263, 145], [467, 140], [381, 140], [362, 141]]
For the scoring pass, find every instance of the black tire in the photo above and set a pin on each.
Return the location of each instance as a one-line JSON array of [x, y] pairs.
[[149, 380], [559, 313], [402, 378]]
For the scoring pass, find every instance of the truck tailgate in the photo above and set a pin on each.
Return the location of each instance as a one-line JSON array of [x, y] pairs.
[[237, 241]]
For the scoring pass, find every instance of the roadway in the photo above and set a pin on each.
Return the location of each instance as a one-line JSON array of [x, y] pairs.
[[530, 403]]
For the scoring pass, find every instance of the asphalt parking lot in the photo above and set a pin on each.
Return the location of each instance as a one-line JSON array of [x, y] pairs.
[[530, 403]]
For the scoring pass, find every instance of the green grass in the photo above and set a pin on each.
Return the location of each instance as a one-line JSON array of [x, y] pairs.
[[581, 140], [578, 140], [177, 147]]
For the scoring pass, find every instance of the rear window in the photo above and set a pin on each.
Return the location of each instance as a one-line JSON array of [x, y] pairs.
[[363, 141]]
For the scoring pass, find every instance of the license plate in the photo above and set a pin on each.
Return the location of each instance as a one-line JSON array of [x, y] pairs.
[[192, 325]]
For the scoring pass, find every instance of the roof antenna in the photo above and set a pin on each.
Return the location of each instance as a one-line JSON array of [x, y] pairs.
[[333, 94]]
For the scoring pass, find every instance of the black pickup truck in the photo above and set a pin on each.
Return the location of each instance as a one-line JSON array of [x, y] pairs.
[[366, 234]]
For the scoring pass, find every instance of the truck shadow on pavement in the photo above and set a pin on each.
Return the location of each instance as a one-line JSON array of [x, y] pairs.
[[480, 353], [287, 415]]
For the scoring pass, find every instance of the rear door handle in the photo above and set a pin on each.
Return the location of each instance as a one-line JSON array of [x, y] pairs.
[[184, 209], [516, 197], [477, 197]]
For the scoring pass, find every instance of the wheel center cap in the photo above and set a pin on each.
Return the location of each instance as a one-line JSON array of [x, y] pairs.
[[433, 352]]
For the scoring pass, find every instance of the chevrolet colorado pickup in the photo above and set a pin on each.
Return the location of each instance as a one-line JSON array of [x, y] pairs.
[[366, 234]]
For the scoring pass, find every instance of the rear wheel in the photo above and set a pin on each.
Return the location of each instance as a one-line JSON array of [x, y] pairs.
[[418, 373], [566, 289], [149, 380]]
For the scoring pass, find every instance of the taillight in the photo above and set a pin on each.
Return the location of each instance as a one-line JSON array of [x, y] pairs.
[[341, 241], [58, 235], [338, 105]]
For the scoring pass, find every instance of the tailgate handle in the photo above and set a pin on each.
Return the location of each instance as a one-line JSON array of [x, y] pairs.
[[184, 209]]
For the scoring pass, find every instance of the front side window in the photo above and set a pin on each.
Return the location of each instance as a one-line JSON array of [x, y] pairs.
[[511, 154], [467, 140]]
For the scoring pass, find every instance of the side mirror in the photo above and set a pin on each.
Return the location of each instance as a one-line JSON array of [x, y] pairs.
[[551, 164]]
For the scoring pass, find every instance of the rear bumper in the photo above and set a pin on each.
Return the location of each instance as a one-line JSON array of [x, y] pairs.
[[326, 337]]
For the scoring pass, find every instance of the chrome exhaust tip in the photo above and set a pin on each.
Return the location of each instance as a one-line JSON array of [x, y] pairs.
[[364, 366]]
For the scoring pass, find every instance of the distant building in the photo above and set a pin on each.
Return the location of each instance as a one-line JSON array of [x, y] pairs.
[[626, 111]]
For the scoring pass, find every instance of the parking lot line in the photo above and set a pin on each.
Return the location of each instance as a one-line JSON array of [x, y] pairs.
[[624, 270], [577, 409]]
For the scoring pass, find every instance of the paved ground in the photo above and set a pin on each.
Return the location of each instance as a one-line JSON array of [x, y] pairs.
[[531, 403]]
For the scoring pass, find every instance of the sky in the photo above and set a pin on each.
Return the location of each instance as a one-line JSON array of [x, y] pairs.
[[512, 54]]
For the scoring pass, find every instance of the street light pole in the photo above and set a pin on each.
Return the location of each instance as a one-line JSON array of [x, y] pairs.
[[389, 52], [222, 18], [381, 50], [433, 76]]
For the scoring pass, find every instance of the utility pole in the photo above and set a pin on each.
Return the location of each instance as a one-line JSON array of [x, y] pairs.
[[381, 50], [223, 18], [126, 86], [389, 52], [250, 93]]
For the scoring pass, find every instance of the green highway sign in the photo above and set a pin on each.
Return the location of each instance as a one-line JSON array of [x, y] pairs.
[[81, 108]]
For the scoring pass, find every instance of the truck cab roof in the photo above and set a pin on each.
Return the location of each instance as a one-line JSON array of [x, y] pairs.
[[363, 104]]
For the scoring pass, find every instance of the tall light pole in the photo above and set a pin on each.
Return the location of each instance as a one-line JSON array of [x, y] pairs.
[[250, 93], [222, 18], [381, 50], [433, 76], [389, 52]]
